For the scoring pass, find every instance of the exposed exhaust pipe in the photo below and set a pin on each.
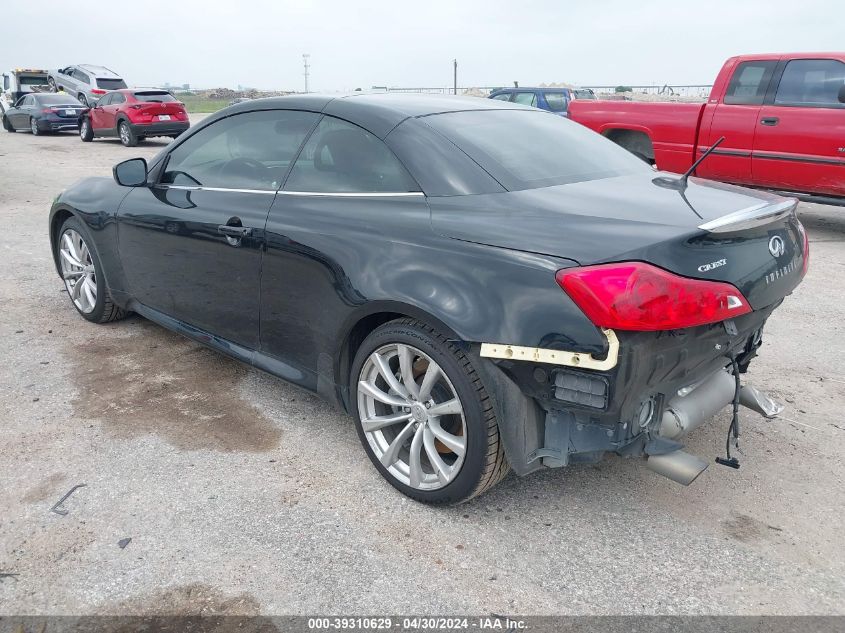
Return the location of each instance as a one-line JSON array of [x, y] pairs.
[[678, 466], [684, 413], [687, 412]]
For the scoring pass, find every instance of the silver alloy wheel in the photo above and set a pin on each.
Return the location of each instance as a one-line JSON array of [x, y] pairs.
[[124, 133], [78, 271], [83, 131], [412, 417], [33, 126]]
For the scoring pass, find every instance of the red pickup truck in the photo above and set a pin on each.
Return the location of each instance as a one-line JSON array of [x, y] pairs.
[[782, 116]]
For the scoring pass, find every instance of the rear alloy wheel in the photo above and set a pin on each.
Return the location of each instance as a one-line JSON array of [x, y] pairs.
[[52, 83], [127, 136], [81, 271], [33, 126], [83, 100], [423, 415], [86, 133]]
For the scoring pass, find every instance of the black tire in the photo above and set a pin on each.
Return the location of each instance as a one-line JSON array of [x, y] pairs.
[[7, 125], [126, 135], [52, 83], [105, 309], [484, 463], [83, 100], [33, 127], [86, 132]]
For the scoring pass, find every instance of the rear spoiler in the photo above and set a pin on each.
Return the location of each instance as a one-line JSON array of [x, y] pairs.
[[751, 217]]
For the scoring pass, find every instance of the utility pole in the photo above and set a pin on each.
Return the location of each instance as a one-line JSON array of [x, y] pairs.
[[306, 65], [455, 75]]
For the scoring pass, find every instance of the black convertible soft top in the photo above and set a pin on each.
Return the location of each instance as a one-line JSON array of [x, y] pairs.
[[378, 113]]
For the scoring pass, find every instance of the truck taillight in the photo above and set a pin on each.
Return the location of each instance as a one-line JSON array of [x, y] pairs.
[[642, 297]]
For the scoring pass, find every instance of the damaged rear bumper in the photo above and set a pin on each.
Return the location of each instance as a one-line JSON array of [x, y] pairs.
[[661, 387]]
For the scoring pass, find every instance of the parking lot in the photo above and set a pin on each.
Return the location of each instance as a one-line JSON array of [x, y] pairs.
[[242, 494]]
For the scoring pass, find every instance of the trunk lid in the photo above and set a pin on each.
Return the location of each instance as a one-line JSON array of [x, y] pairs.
[[630, 218]]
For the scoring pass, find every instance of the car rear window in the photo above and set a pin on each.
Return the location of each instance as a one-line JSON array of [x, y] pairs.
[[154, 96], [526, 150], [111, 84], [583, 94], [45, 99]]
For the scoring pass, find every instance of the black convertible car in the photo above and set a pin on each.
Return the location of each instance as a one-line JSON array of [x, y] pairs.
[[482, 285]]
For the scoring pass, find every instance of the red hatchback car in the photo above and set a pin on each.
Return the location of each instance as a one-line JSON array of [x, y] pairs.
[[133, 115]]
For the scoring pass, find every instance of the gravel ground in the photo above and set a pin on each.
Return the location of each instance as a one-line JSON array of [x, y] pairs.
[[245, 495]]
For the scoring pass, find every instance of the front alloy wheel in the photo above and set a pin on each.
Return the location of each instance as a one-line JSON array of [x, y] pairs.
[[423, 414], [78, 271], [80, 267]]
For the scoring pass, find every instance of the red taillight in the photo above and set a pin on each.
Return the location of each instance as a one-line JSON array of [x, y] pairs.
[[49, 111], [638, 296], [97, 91]]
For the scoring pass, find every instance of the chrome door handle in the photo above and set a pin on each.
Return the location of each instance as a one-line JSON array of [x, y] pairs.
[[234, 231]]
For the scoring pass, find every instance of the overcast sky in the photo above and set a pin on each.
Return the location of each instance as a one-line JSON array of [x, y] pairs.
[[356, 43]]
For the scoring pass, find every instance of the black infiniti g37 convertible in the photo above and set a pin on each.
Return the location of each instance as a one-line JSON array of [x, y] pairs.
[[483, 286]]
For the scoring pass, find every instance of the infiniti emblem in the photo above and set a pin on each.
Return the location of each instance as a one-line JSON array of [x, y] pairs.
[[777, 246]]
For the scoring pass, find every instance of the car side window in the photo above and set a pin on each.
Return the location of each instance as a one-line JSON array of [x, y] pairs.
[[252, 150], [811, 83], [117, 98], [526, 98], [502, 97], [106, 100], [556, 101], [80, 76], [343, 158], [749, 83]]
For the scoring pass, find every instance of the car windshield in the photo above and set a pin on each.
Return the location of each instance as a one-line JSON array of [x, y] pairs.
[[57, 100], [111, 84], [529, 149], [154, 96]]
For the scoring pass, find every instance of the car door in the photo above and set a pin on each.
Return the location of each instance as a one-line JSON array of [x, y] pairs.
[[735, 116], [70, 82], [191, 242], [346, 194], [81, 82], [19, 115], [800, 140], [110, 109], [98, 114]]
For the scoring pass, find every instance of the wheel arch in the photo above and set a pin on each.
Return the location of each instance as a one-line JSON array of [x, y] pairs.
[[520, 418], [364, 321], [636, 139], [57, 219]]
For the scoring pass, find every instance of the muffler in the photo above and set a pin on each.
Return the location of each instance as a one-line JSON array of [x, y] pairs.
[[678, 466], [687, 412], [684, 413]]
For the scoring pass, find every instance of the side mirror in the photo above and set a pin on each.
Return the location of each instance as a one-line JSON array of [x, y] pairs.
[[131, 173], [842, 93]]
